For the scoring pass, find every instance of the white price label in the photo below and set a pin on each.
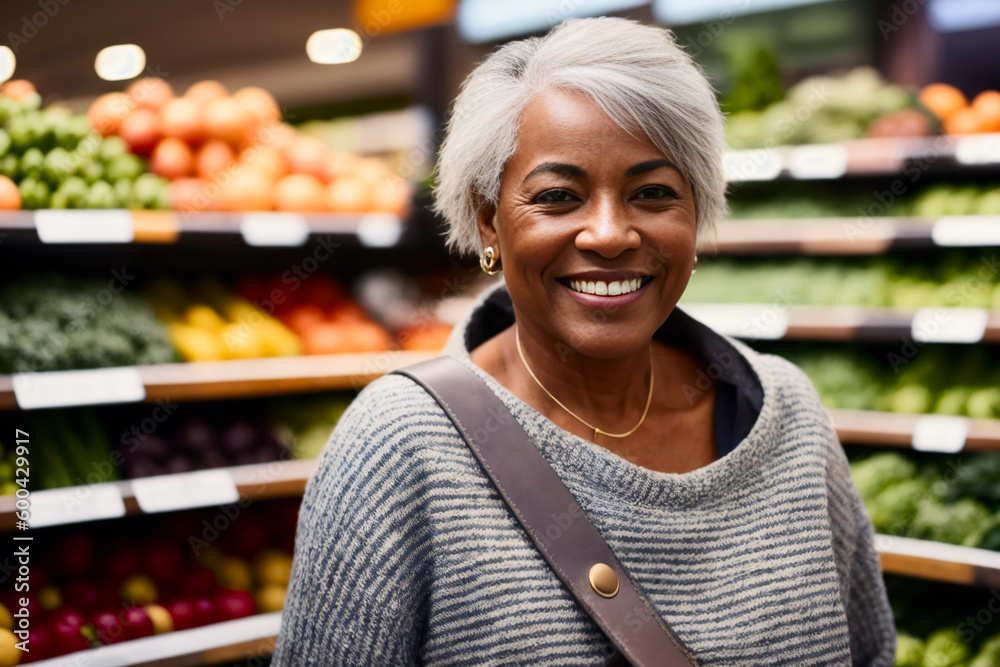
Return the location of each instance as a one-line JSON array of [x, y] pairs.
[[90, 502], [978, 149], [84, 226], [166, 493], [274, 229], [966, 230], [949, 325], [940, 433], [744, 320], [825, 161], [379, 230], [60, 389], [763, 164]]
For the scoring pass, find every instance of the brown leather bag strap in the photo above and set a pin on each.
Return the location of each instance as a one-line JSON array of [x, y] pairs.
[[550, 515]]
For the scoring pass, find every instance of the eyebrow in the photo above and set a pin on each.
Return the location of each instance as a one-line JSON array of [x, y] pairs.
[[572, 170], [644, 167]]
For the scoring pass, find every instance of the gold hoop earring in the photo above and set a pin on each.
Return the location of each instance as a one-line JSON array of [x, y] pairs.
[[488, 261], [694, 268]]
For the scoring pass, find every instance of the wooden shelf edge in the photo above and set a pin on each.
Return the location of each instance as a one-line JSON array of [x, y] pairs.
[[893, 429], [256, 377], [208, 644], [937, 561], [258, 481]]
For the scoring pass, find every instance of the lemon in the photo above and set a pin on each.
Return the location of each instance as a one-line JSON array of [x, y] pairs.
[[9, 653]]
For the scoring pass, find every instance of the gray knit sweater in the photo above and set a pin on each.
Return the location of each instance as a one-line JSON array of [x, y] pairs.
[[406, 555]]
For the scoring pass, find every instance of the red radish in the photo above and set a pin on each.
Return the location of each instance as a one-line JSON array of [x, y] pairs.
[[82, 595], [121, 558], [40, 641], [206, 611], [181, 119], [182, 614], [150, 92], [308, 155], [163, 561], [171, 159], [137, 623], [198, 580], [206, 91], [212, 158], [81, 546], [107, 112], [108, 628], [235, 604], [141, 130], [67, 627], [228, 119]]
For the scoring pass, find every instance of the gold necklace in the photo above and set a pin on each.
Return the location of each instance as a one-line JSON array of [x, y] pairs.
[[597, 431]]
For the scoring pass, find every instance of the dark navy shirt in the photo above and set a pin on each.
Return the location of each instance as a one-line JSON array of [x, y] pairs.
[[739, 394]]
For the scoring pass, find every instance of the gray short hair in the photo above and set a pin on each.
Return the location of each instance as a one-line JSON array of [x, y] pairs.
[[635, 73]]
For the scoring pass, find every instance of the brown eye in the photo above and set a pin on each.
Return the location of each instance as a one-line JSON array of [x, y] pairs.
[[554, 197], [655, 192]]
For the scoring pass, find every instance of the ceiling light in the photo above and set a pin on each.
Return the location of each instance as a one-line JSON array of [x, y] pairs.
[[333, 47], [119, 62], [7, 63]]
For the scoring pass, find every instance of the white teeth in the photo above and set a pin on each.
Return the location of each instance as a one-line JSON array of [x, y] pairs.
[[601, 288]]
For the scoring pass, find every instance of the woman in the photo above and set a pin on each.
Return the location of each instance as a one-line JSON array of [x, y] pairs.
[[587, 166]]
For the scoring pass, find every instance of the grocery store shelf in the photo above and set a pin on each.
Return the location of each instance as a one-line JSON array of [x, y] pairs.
[[863, 157], [208, 380], [250, 637], [941, 433], [777, 321], [265, 228], [860, 235], [110, 500], [938, 562]]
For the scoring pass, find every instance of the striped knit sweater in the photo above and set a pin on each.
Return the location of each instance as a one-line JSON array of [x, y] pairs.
[[406, 555]]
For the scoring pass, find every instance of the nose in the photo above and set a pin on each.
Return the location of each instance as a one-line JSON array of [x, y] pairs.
[[607, 230]]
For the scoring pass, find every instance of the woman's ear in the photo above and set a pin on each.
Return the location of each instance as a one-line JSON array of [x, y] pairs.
[[486, 224]]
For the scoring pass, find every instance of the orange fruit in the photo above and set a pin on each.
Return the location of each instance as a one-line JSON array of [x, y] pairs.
[[987, 104], [965, 121], [17, 88], [943, 100], [301, 193], [349, 195], [10, 196]]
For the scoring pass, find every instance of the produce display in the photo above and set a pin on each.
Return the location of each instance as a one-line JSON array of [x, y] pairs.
[[812, 202], [827, 109], [304, 424], [58, 323], [955, 502], [907, 378], [945, 646], [51, 158], [198, 444], [957, 114], [952, 279], [231, 152], [208, 322], [70, 449], [154, 574]]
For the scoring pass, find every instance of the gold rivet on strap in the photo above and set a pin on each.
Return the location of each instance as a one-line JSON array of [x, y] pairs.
[[603, 580]]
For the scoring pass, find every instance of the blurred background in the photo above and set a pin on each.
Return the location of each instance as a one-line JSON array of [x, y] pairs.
[[215, 229]]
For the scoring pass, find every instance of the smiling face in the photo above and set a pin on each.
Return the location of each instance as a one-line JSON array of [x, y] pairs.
[[595, 229]]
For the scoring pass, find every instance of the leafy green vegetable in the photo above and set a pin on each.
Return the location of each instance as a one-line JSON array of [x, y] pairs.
[[876, 473], [909, 651], [963, 522]]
